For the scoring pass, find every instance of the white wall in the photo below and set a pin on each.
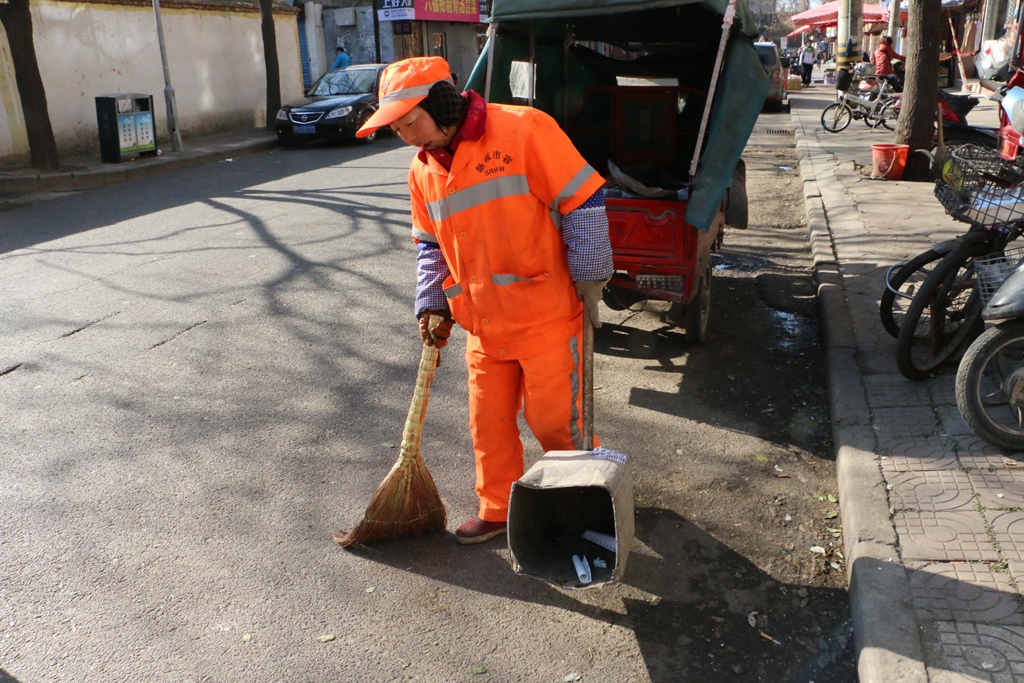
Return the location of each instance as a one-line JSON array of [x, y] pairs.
[[14, 143], [215, 60]]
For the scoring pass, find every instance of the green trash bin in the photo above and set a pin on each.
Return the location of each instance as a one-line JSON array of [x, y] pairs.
[[126, 126]]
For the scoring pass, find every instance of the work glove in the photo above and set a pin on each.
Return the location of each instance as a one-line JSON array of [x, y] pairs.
[[437, 335], [590, 294]]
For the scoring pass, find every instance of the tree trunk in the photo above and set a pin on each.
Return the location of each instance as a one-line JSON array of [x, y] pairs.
[[271, 61], [16, 18], [916, 126]]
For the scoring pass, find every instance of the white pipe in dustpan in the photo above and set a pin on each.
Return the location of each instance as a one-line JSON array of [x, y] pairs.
[[574, 509]]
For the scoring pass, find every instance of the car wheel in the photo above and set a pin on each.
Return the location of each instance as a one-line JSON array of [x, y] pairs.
[[363, 118]]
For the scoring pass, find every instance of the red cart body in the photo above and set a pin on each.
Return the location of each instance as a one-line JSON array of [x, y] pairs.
[[659, 96], [656, 252]]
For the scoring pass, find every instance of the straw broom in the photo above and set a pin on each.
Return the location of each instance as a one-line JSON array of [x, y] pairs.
[[406, 503]]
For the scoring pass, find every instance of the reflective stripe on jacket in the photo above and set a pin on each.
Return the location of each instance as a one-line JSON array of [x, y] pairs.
[[496, 217]]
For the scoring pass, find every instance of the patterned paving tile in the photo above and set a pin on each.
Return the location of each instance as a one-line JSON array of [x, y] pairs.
[[1008, 528], [976, 652], [897, 423], [943, 392], [999, 489], [959, 591], [945, 490], [895, 391], [976, 454], [939, 536], [1017, 574], [951, 421], [917, 454]]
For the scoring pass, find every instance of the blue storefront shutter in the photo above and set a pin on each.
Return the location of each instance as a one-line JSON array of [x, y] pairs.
[[304, 55]]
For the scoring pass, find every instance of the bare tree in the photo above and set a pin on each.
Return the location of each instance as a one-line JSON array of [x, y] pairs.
[[916, 126], [270, 59], [16, 18]]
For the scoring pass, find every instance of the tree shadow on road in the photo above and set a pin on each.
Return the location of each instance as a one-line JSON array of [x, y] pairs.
[[249, 177], [699, 610]]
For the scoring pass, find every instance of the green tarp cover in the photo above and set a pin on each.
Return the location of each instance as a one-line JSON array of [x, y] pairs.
[[600, 12], [671, 38]]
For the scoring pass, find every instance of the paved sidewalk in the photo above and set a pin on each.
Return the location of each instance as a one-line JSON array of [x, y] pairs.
[[932, 516]]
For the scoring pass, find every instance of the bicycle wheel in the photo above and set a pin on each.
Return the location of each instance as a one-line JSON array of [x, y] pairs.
[[945, 314], [988, 385], [903, 282], [889, 115], [836, 117], [875, 119]]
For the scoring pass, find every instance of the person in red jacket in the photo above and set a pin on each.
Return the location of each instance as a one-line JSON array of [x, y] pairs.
[[883, 62], [512, 240]]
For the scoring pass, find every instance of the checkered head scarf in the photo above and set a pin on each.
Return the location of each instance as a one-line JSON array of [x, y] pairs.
[[444, 104]]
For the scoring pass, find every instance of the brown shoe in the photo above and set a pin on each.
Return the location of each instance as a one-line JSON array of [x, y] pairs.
[[477, 530]]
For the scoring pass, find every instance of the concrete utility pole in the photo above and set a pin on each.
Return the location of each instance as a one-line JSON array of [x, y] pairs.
[[172, 106], [843, 36], [849, 33]]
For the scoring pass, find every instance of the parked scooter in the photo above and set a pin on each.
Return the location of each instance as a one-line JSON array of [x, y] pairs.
[[990, 380], [956, 129]]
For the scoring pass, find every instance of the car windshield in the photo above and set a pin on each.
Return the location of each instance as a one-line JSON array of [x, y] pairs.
[[346, 82], [767, 56]]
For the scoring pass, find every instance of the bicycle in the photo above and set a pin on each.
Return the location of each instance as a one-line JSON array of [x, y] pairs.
[[877, 108], [904, 280], [978, 187]]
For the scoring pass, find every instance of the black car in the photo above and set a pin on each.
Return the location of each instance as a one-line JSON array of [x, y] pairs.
[[334, 108]]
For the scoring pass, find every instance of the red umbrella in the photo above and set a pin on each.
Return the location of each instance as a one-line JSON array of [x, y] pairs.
[[798, 30], [829, 13]]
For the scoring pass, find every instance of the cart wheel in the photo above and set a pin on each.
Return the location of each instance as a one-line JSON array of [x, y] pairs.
[[699, 309]]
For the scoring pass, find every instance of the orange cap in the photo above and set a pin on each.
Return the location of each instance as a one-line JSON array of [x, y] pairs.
[[403, 85]]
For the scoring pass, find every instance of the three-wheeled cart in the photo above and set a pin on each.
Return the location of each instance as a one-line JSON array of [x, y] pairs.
[[660, 96]]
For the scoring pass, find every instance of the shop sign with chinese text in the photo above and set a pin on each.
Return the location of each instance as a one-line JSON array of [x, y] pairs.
[[464, 11]]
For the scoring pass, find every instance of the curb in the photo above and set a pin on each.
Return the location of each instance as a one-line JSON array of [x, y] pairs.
[[111, 174], [886, 636]]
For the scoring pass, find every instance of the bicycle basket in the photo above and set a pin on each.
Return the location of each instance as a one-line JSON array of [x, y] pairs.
[[980, 187], [993, 270]]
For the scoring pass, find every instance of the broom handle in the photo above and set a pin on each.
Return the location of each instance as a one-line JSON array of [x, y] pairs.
[[413, 432], [588, 381]]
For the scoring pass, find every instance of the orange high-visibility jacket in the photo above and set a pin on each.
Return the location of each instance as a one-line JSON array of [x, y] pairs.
[[496, 216]]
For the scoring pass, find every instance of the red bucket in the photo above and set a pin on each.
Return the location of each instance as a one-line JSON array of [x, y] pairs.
[[888, 160]]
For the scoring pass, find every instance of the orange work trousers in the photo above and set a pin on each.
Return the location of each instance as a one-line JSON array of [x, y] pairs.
[[549, 389]]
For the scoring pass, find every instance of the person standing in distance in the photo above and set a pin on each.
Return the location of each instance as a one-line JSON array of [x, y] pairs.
[[512, 242], [342, 60], [807, 59]]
